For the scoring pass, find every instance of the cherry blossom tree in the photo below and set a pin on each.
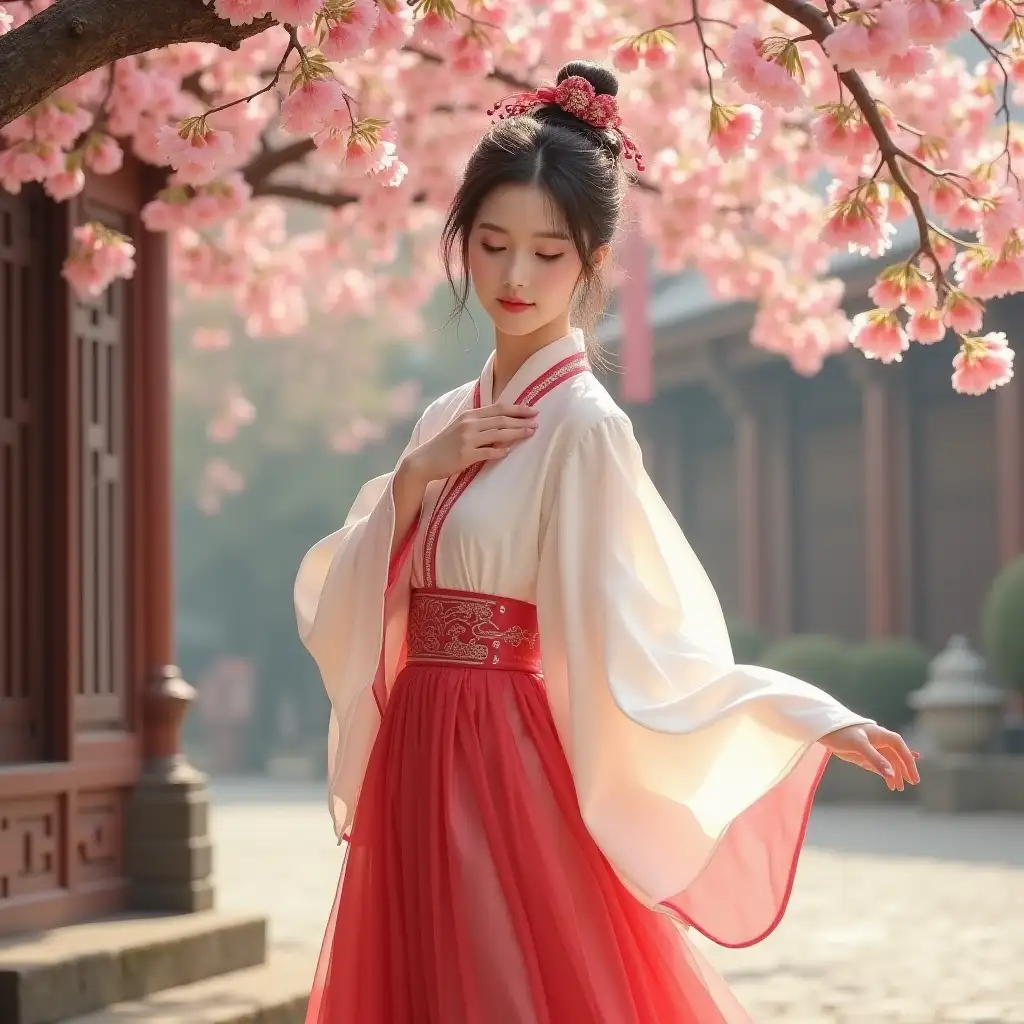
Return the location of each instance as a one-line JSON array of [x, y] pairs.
[[366, 110]]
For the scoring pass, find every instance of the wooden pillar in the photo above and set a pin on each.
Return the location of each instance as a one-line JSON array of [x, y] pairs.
[[166, 696], [743, 405], [667, 471], [776, 441], [1010, 474], [885, 432], [751, 518]]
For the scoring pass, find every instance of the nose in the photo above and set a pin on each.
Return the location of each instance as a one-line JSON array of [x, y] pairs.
[[517, 269]]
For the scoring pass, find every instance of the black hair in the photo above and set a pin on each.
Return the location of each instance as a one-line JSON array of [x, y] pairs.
[[577, 165]]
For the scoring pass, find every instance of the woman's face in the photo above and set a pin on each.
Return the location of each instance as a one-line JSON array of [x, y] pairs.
[[522, 262]]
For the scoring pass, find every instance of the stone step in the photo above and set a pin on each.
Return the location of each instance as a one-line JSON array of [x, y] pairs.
[[50, 976], [275, 992]]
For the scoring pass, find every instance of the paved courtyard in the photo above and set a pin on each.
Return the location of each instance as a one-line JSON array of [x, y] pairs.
[[896, 918]]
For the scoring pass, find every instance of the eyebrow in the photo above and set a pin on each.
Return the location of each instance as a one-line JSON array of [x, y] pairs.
[[561, 236]]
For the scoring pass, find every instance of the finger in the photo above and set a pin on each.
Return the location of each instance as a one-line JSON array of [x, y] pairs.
[[504, 422], [896, 748], [504, 436], [879, 761], [507, 409], [490, 454]]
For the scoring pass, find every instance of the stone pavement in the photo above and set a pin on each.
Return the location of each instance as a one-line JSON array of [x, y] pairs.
[[896, 917]]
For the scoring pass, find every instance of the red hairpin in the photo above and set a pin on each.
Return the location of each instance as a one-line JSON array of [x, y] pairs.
[[576, 96]]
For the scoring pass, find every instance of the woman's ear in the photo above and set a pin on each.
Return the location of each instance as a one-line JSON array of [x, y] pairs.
[[601, 253]]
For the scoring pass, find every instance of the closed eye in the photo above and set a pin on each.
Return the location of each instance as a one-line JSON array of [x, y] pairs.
[[491, 248], [550, 257]]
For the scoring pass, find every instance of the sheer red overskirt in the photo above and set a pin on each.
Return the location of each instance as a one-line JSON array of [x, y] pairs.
[[472, 892]]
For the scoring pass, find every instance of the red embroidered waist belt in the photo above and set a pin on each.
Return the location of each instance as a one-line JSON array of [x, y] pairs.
[[459, 627]]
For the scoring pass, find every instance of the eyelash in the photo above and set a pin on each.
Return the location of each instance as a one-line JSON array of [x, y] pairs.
[[547, 257]]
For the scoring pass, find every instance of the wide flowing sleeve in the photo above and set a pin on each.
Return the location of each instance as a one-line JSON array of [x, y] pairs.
[[694, 775], [342, 609]]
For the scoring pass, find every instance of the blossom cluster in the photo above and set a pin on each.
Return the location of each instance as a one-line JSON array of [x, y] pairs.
[[367, 109]]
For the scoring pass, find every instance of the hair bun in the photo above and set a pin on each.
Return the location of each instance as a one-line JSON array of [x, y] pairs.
[[601, 78]]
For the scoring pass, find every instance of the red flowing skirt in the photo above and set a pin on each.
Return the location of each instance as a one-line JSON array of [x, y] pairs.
[[472, 892]]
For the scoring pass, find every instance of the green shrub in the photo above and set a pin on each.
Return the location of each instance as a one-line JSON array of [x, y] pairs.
[[1002, 621], [884, 673], [748, 642], [814, 658]]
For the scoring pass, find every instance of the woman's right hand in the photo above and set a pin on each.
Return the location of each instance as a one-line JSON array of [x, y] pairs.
[[476, 435]]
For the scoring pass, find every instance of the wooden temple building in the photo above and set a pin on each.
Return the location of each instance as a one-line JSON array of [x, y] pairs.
[[101, 818], [868, 500]]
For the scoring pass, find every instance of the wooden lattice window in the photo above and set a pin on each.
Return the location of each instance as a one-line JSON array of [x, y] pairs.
[[22, 420], [100, 329]]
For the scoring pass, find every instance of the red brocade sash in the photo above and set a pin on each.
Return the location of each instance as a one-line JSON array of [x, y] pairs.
[[459, 627]]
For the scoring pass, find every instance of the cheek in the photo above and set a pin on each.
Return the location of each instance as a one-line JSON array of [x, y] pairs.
[[558, 279], [483, 269]]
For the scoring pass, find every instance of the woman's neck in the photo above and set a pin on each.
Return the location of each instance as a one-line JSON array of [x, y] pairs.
[[511, 351]]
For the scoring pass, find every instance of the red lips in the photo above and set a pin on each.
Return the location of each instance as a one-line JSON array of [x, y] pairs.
[[514, 305]]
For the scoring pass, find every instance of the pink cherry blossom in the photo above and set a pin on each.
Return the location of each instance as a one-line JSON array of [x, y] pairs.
[[395, 25], [870, 38], [471, 55], [435, 30], [938, 21], [60, 122], [961, 313], [161, 215], [858, 223], [737, 193], [99, 255], [102, 154], [984, 276], [902, 68], [66, 184], [766, 73], [6, 21], [658, 56], [347, 29], [311, 104], [293, 12], [626, 57], [994, 18], [840, 130], [194, 149], [732, 128], [1001, 213], [887, 293], [240, 12], [926, 326], [983, 363], [879, 334]]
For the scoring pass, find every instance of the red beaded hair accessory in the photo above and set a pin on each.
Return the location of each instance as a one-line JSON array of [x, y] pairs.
[[576, 96]]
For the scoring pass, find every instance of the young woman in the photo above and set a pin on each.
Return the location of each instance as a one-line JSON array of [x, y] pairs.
[[545, 765]]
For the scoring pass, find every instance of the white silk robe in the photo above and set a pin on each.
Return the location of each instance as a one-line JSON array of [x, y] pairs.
[[694, 775]]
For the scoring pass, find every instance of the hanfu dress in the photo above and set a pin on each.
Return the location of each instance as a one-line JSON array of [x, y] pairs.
[[545, 765]]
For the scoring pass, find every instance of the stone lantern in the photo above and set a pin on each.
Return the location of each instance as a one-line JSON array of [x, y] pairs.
[[959, 711]]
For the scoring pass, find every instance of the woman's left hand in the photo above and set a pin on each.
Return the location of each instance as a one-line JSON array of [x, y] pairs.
[[876, 750]]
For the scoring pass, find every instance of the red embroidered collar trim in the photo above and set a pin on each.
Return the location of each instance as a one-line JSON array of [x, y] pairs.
[[455, 487]]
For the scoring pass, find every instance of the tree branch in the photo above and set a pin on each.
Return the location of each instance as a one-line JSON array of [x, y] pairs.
[[819, 27], [73, 37], [301, 194], [329, 200], [261, 167]]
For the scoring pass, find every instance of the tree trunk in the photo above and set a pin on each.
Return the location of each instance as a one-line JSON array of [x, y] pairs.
[[73, 37]]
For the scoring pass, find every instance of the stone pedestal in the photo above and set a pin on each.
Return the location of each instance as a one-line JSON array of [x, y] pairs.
[[962, 783], [170, 856]]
